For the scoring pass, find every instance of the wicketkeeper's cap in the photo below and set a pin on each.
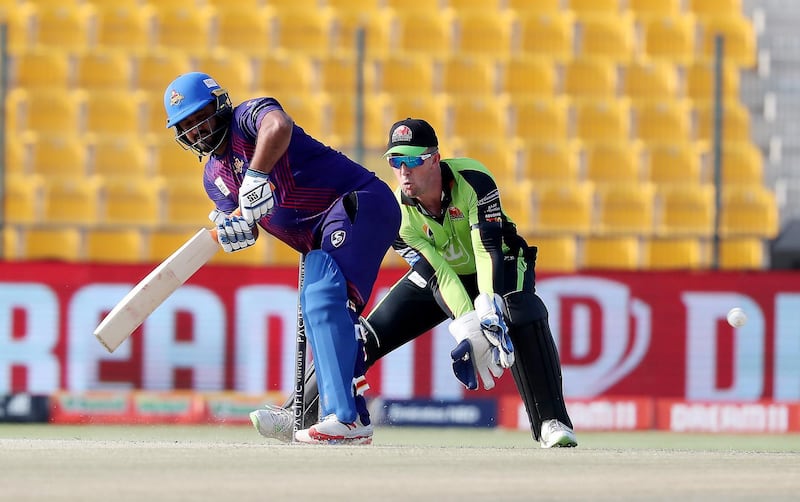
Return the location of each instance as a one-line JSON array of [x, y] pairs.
[[411, 137]]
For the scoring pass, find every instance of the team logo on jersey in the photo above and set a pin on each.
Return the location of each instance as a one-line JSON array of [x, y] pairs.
[[401, 134], [238, 164], [455, 213], [427, 231], [175, 98], [337, 238]]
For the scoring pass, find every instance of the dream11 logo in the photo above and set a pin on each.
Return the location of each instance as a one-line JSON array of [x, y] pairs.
[[603, 345]]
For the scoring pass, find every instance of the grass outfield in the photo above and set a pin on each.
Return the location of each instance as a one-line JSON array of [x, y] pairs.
[[127, 463]]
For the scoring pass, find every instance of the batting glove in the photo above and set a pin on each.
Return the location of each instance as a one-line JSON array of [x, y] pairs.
[[494, 327], [234, 234], [474, 357], [255, 196]]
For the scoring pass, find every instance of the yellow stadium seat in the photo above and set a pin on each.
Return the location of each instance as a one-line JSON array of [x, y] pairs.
[[663, 120], [16, 154], [739, 35], [484, 33], [593, 6], [346, 6], [155, 69], [475, 118], [497, 154], [124, 27], [650, 80], [309, 111], [376, 23], [12, 244], [603, 120], [748, 211], [132, 201], [589, 77], [72, 200], [246, 30], [626, 208], [37, 68], [612, 253], [544, 161], [608, 35], [429, 35], [377, 116], [540, 118], [548, 34], [56, 154], [186, 204], [170, 160], [685, 210], [162, 242], [613, 161], [404, 74], [556, 253], [432, 108], [279, 75], [62, 244], [183, 26], [114, 112], [735, 121], [279, 253], [233, 71], [700, 77], [19, 20], [714, 7], [338, 75], [523, 76], [537, 7], [742, 164], [103, 70], [741, 254], [22, 198], [468, 76], [44, 110], [518, 203], [674, 163], [293, 4], [647, 9], [563, 207], [674, 254], [306, 32], [115, 155], [65, 27], [671, 38], [114, 245]]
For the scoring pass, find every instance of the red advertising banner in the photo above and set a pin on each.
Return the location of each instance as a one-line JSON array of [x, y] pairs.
[[655, 334]]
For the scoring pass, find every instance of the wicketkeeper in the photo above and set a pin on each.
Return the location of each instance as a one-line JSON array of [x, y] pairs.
[[468, 264]]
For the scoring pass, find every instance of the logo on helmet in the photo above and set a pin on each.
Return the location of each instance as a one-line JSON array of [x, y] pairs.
[[175, 98]]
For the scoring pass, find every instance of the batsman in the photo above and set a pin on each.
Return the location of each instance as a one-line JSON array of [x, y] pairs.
[[468, 264]]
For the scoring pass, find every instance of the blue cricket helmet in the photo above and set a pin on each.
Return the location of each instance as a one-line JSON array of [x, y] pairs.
[[190, 93]]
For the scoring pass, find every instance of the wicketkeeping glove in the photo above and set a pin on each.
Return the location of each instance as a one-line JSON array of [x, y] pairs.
[[474, 356], [255, 196], [234, 234], [494, 327]]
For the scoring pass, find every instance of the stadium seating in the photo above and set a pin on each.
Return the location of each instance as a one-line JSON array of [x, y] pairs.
[[53, 110], [613, 161], [465, 75], [545, 161], [376, 23], [169, 159], [11, 243], [155, 69], [232, 70], [498, 154], [670, 38], [116, 155], [591, 77], [674, 254], [748, 211], [431, 35], [40, 68], [735, 121], [132, 201], [603, 120], [114, 112], [619, 253], [55, 154], [650, 80], [742, 164], [556, 253], [278, 75], [540, 118], [537, 7], [593, 6], [563, 208], [648, 9], [685, 210], [123, 27], [114, 245], [22, 198], [47, 243], [99, 70], [700, 76], [663, 120], [476, 118], [485, 33], [300, 31], [549, 33], [608, 35], [674, 163], [625, 208], [523, 76], [243, 29], [183, 27], [338, 75], [185, 204], [741, 253], [66, 27], [279, 253], [72, 200], [377, 116], [162, 242], [739, 36]]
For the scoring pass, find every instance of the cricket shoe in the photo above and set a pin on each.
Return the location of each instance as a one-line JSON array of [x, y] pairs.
[[557, 435], [331, 431], [273, 422]]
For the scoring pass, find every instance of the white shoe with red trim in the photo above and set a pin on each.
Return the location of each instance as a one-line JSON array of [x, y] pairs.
[[331, 431]]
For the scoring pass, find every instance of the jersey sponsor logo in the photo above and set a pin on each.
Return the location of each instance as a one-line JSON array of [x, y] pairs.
[[489, 197], [222, 186], [175, 98], [455, 213], [338, 237]]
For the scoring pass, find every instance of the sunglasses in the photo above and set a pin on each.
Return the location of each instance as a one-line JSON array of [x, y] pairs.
[[409, 161]]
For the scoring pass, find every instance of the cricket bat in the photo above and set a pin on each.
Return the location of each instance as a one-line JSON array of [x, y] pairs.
[[159, 284]]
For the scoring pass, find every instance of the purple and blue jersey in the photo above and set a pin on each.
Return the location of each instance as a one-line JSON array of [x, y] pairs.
[[306, 180]]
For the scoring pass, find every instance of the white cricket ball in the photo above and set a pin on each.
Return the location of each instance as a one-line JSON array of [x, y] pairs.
[[737, 317]]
